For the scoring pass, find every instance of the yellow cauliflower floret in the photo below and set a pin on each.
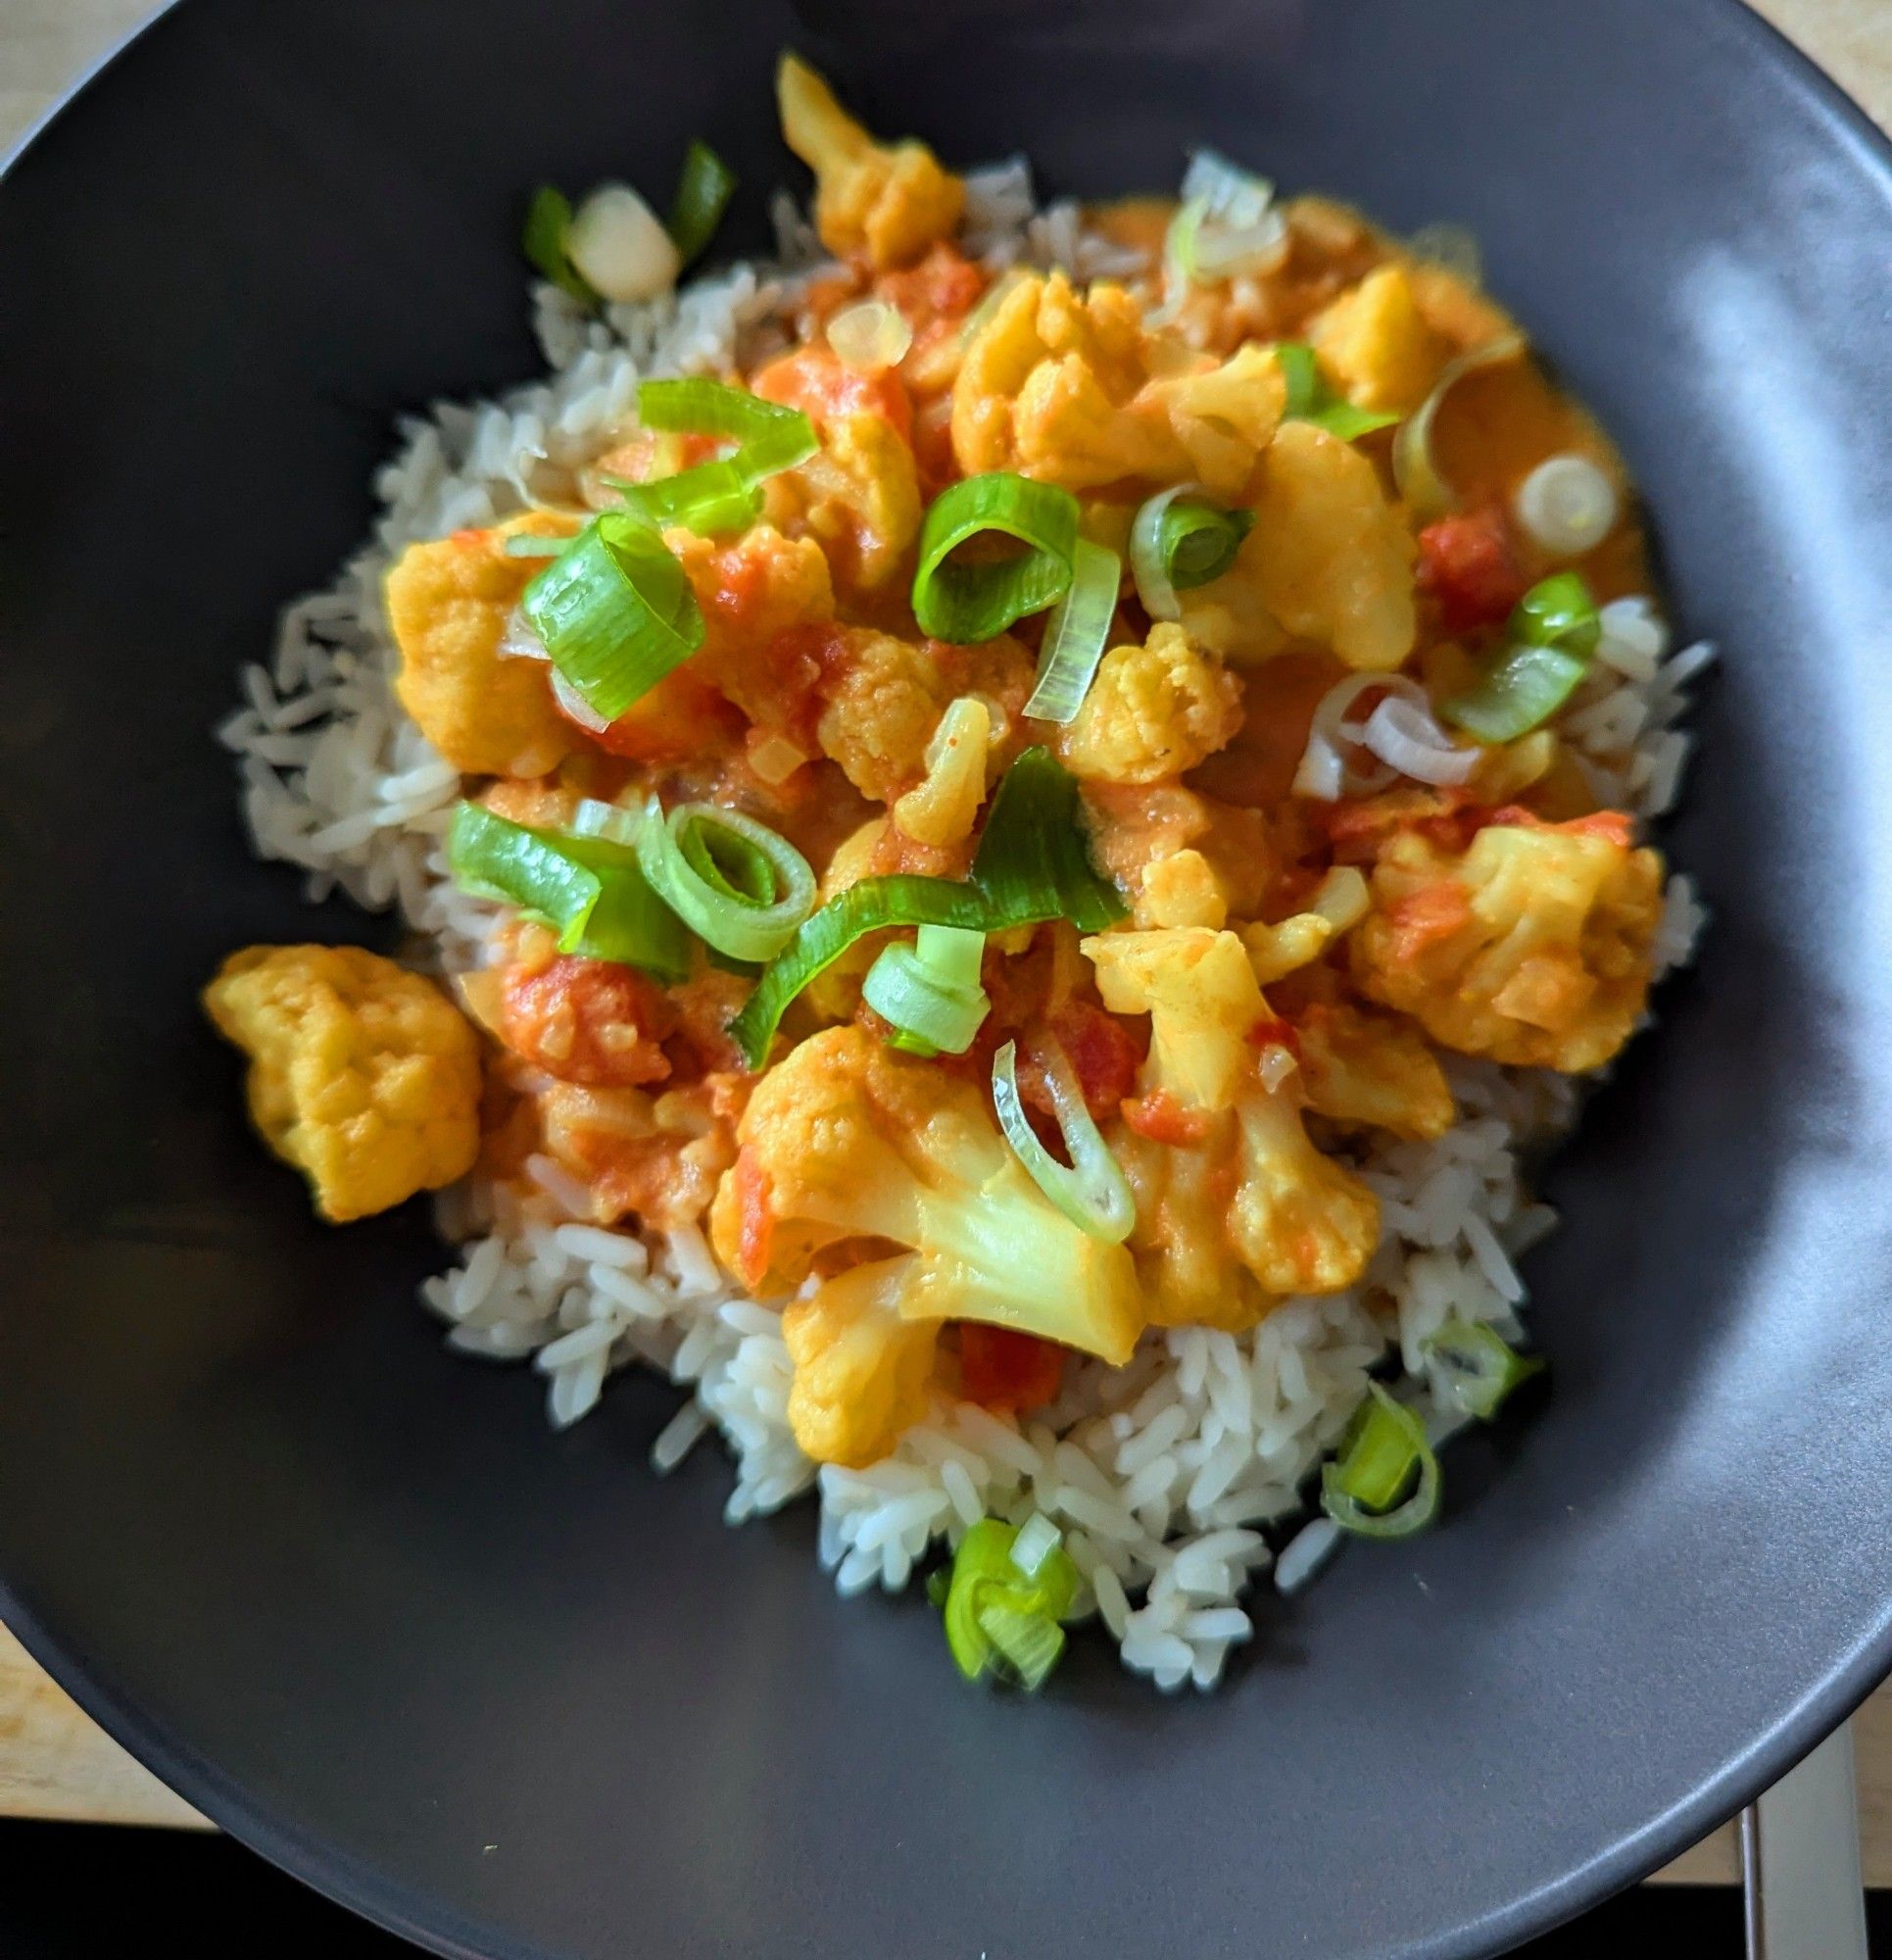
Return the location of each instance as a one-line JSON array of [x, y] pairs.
[[891, 201], [860, 1370], [1371, 1070], [1241, 1209], [883, 700], [1180, 857], [1330, 560], [1068, 387], [846, 1142], [1338, 905], [362, 1074], [1153, 712], [1532, 947], [1375, 345], [448, 603], [858, 496], [1180, 889], [944, 806]]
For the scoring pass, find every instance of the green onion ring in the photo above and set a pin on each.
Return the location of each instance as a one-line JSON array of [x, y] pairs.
[[772, 437], [1311, 400], [1385, 1452], [1427, 493], [704, 186], [1177, 541], [590, 891], [1091, 1190], [929, 992], [711, 866], [1076, 634], [616, 612], [998, 1617], [1479, 1365], [965, 604]]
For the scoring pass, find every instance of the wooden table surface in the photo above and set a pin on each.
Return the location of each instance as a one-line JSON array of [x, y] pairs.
[[53, 1761]]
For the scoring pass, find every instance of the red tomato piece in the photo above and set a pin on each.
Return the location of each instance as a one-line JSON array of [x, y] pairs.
[[589, 1022], [1000, 1369], [1468, 565]]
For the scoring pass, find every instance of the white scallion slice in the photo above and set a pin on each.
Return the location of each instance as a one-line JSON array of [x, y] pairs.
[[1567, 504], [1404, 735], [619, 246], [1091, 1190], [1414, 470], [870, 336]]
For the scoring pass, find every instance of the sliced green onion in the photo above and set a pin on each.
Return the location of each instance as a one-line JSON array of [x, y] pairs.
[[616, 612], [1520, 690], [1091, 1190], [530, 544], [1479, 1366], [1032, 863], [1567, 504], [1177, 541], [711, 497], [704, 186], [870, 336], [590, 891], [1558, 611], [1556, 627], [1311, 400], [1032, 866], [929, 992], [547, 238], [733, 881], [1385, 1455], [1427, 493], [967, 602], [772, 437], [1076, 634], [1000, 1619]]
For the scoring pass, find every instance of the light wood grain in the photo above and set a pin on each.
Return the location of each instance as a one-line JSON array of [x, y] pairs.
[[53, 1761]]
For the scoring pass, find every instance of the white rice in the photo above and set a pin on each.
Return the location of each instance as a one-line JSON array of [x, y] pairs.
[[1161, 1474]]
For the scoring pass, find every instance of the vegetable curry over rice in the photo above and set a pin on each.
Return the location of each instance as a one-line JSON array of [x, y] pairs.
[[996, 802]]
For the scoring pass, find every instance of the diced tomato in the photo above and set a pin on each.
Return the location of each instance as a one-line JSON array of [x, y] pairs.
[[755, 1222], [1468, 565], [944, 286], [817, 381], [1433, 912], [1270, 1031], [1003, 1370], [587, 1021], [1163, 1120], [1104, 1055]]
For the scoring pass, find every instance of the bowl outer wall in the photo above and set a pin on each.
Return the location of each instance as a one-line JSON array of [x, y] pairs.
[[509, 1693]]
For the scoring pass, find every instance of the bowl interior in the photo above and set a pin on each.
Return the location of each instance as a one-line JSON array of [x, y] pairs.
[[511, 1694]]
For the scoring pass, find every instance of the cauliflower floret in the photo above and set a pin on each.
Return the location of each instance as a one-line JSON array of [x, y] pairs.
[[1236, 1209], [1069, 388], [1183, 858], [846, 1141], [448, 603], [1371, 1070], [1377, 346], [860, 1370], [883, 700], [888, 200], [1153, 712], [1328, 558], [362, 1074], [1338, 906], [1532, 947], [859, 496], [944, 807]]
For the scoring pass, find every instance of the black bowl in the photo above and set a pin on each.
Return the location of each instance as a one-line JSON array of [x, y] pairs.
[[510, 1694]]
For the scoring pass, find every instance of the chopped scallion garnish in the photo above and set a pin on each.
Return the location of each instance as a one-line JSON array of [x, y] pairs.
[[966, 600], [547, 242], [733, 881], [772, 437], [1311, 400], [1478, 1366], [929, 992], [1385, 1483], [1555, 629], [1414, 470], [1000, 1619], [1032, 866], [1178, 540], [616, 612], [590, 891], [704, 186], [1091, 1190], [1076, 634]]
